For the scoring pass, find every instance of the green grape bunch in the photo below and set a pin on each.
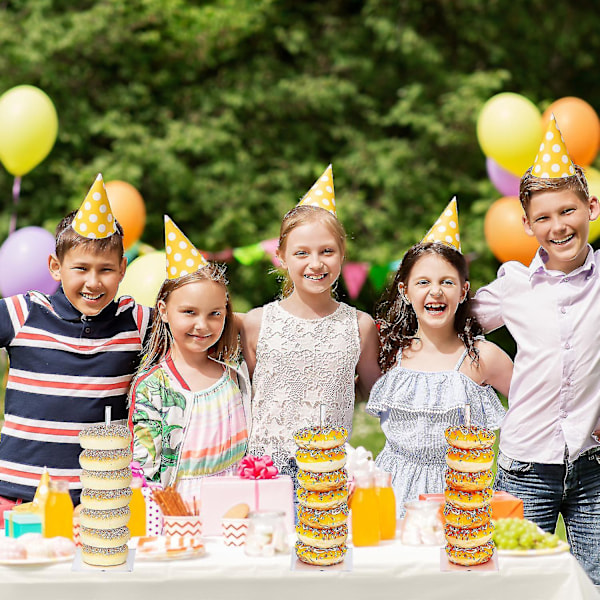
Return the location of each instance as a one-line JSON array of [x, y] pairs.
[[521, 534]]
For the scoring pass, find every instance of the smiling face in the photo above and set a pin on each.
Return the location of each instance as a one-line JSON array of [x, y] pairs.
[[89, 279], [559, 220], [312, 257], [434, 288], [195, 314]]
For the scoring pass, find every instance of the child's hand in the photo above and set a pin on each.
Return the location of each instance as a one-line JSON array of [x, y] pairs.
[[596, 435]]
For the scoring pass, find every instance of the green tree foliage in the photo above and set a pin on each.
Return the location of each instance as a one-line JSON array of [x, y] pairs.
[[222, 113]]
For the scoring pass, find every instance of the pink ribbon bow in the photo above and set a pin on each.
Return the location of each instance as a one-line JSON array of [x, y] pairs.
[[254, 467]]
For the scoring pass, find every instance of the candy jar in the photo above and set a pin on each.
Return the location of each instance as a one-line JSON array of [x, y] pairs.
[[58, 512], [266, 533], [365, 511], [422, 524], [386, 501]]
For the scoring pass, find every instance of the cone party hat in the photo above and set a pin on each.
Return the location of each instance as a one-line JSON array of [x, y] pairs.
[[445, 229], [182, 256], [552, 160], [321, 194], [94, 219]]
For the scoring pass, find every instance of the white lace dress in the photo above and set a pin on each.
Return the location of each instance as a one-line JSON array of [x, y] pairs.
[[415, 408], [301, 364]]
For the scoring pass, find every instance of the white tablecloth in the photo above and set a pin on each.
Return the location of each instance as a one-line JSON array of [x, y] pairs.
[[388, 571]]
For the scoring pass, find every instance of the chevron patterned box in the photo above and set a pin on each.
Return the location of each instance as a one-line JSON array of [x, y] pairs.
[[182, 526]]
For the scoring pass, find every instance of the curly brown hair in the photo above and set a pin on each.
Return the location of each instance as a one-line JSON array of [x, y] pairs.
[[397, 320]]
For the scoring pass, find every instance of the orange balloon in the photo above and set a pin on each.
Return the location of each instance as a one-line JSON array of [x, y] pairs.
[[128, 207], [504, 233], [579, 125]]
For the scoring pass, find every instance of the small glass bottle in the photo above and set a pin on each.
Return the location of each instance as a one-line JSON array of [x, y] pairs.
[[387, 504], [58, 512], [266, 533], [366, 529], [137, 507]]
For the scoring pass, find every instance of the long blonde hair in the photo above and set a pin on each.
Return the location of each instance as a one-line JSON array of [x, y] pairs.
[[160, 340], [303, 215]]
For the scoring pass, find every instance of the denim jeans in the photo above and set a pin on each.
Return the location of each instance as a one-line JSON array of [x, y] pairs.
[[572, 489]]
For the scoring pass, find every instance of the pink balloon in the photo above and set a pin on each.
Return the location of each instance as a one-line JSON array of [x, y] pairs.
[[24, 262], [504, 181]]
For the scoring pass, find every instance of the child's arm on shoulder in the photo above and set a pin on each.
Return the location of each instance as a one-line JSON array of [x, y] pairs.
[[487, 304], [495, 366], [368, 364], [249, 328]]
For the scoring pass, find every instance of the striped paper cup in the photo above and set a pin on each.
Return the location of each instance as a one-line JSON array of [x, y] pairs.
[[182, 526], [234, 531]]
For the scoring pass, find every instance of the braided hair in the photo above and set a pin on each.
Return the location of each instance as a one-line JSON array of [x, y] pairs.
[[397, 321]]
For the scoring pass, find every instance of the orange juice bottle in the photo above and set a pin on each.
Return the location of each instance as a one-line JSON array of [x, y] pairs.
[[58, 512], [365, 511], [387, 505], [137, 506]]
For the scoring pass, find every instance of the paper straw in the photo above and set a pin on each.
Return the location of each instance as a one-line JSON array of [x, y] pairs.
[[468, 415], [107, 416]]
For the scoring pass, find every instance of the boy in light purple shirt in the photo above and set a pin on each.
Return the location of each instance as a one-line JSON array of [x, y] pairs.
[[549, 456]]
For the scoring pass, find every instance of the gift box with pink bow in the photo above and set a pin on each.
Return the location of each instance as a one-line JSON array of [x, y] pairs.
[[258, 485]]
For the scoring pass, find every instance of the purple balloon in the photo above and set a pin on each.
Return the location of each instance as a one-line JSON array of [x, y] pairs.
[[24, 262], [504, 181]]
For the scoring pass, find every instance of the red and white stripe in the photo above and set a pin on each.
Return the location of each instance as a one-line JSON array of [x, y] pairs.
[[48, 384], [17, 311], [30, 475], [38, 338]]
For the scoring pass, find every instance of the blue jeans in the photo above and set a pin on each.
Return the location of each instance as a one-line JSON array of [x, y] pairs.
[[572, 489]]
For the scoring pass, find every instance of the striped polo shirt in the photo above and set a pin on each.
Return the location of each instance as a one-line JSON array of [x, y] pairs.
[[65, 368]]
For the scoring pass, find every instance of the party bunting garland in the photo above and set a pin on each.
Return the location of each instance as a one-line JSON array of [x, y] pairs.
[[354, 274]]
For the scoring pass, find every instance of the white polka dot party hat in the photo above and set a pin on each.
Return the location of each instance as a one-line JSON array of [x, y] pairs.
[[552, 160], [182, 256], [321, 194], [94, 219], [445, 229]]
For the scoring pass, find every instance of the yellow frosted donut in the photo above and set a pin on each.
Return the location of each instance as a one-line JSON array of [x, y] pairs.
[[323, 519], [322, 500], [104, 519], [105, 499], [464, 499], [470, 556], [469, 538], [105, 460], [469, 461], [471, 437], [104, 538], [322, 482], [104, 557], [101, 437], [320, 556], [322, 438], [322, 538], [459, 517], [321, 461], [106, 480], [469, 482]]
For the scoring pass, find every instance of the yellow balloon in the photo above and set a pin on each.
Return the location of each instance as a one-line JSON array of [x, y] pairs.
[[593, 179], [509, 130], [143, 278], [28, 128]]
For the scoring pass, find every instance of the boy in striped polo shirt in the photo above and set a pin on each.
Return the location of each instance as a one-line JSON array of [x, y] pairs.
[[71, 354]]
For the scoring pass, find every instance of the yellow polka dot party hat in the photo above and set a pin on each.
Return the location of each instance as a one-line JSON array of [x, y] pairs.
[[94, 219], [182, 256], [552, 160], [321, 194], [445, 229]]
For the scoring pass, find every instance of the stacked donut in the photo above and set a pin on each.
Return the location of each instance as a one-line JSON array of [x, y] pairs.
[[468, 495], [105, 477], [322, 495]]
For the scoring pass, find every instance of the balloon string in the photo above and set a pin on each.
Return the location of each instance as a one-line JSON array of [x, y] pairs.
[[16, 191]]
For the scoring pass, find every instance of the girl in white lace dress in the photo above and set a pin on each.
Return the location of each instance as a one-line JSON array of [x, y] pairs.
[[306, 349], [434, 362]]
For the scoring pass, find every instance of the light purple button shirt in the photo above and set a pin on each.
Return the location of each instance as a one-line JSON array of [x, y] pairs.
[[554, 318]]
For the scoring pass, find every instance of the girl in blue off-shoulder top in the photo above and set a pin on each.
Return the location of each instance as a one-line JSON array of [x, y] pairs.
[[435, 361]]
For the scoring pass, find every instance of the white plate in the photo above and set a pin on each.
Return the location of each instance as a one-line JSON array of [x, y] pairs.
[[30, 562], [185, 555], [562, 547]]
